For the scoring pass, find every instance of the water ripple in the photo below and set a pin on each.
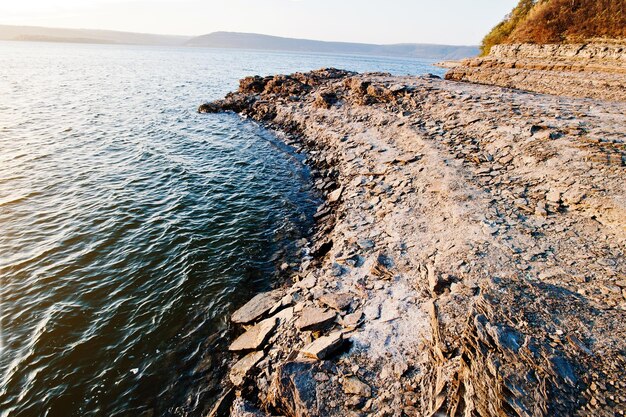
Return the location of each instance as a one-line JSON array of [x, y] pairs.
[[132, 225]]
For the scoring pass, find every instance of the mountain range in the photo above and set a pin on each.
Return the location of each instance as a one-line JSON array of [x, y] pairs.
[[234, 40]]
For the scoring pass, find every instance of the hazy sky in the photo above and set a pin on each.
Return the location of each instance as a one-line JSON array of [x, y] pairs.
[[391, 21]]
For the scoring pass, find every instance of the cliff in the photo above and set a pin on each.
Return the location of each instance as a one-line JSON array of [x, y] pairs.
[[468, 260], [580, 70]]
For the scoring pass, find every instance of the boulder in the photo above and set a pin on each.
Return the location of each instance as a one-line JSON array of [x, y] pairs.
[[255, 337], [257, 307]]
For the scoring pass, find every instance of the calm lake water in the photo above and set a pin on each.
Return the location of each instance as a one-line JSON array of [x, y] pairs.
[[131, 225]]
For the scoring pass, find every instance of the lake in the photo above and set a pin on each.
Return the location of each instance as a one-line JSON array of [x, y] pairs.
[[132, 226]]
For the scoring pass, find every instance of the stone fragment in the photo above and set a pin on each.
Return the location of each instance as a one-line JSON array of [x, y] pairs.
[[313, 318], [308, 282], [365, 244], [335, 195], [257, 307], [352, 320], [255, 337], [240, 370], [337, 302], [353, 385], [324, 347], [553, 196]]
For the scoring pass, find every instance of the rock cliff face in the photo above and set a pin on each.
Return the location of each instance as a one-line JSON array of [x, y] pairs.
[[593, 70], [469, 258]]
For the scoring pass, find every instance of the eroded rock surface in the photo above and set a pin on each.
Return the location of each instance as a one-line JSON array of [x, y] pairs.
[[479, 235], [591, 70]]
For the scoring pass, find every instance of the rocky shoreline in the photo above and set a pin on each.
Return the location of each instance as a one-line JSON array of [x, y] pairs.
[[469, 257]]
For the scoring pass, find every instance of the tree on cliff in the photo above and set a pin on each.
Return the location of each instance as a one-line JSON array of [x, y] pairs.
[[560, 21]]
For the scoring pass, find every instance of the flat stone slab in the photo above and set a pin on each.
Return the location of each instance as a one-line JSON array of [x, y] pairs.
[[324, 347], [339, 302], [314, 318], [255, 337], [240, 370], [257, 307]]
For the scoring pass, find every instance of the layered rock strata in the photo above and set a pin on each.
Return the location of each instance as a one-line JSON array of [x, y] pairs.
[[592, 70], [469, 259]]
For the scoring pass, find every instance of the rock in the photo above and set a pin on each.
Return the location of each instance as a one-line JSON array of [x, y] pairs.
[[257, 307], [335, 195], [284, 315], [365, 243], [293, 390], [553, 196], [324, 347], [254, 84], [353, 385], [313, 318], [337, 302], [255, 337], [240, 370], [325, 100], [352, 320]]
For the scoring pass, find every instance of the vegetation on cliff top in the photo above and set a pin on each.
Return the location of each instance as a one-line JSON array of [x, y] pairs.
[[559, 21]]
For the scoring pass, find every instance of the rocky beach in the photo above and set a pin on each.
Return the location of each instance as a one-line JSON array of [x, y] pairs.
[[468, 259]]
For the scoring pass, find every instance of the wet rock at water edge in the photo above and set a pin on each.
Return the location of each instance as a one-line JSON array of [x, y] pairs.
[[240, 370], [257, 307], [255, 337]]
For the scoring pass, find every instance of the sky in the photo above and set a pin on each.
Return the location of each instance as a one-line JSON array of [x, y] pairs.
[[457, 22]]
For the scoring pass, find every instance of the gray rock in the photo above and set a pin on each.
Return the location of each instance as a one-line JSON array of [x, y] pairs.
[[255, 337], [257, 307], [315, 319]]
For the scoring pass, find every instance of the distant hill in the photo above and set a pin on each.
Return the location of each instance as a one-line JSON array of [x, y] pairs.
[[276, 43], [42, 34], [560, 21], [236, 41]]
